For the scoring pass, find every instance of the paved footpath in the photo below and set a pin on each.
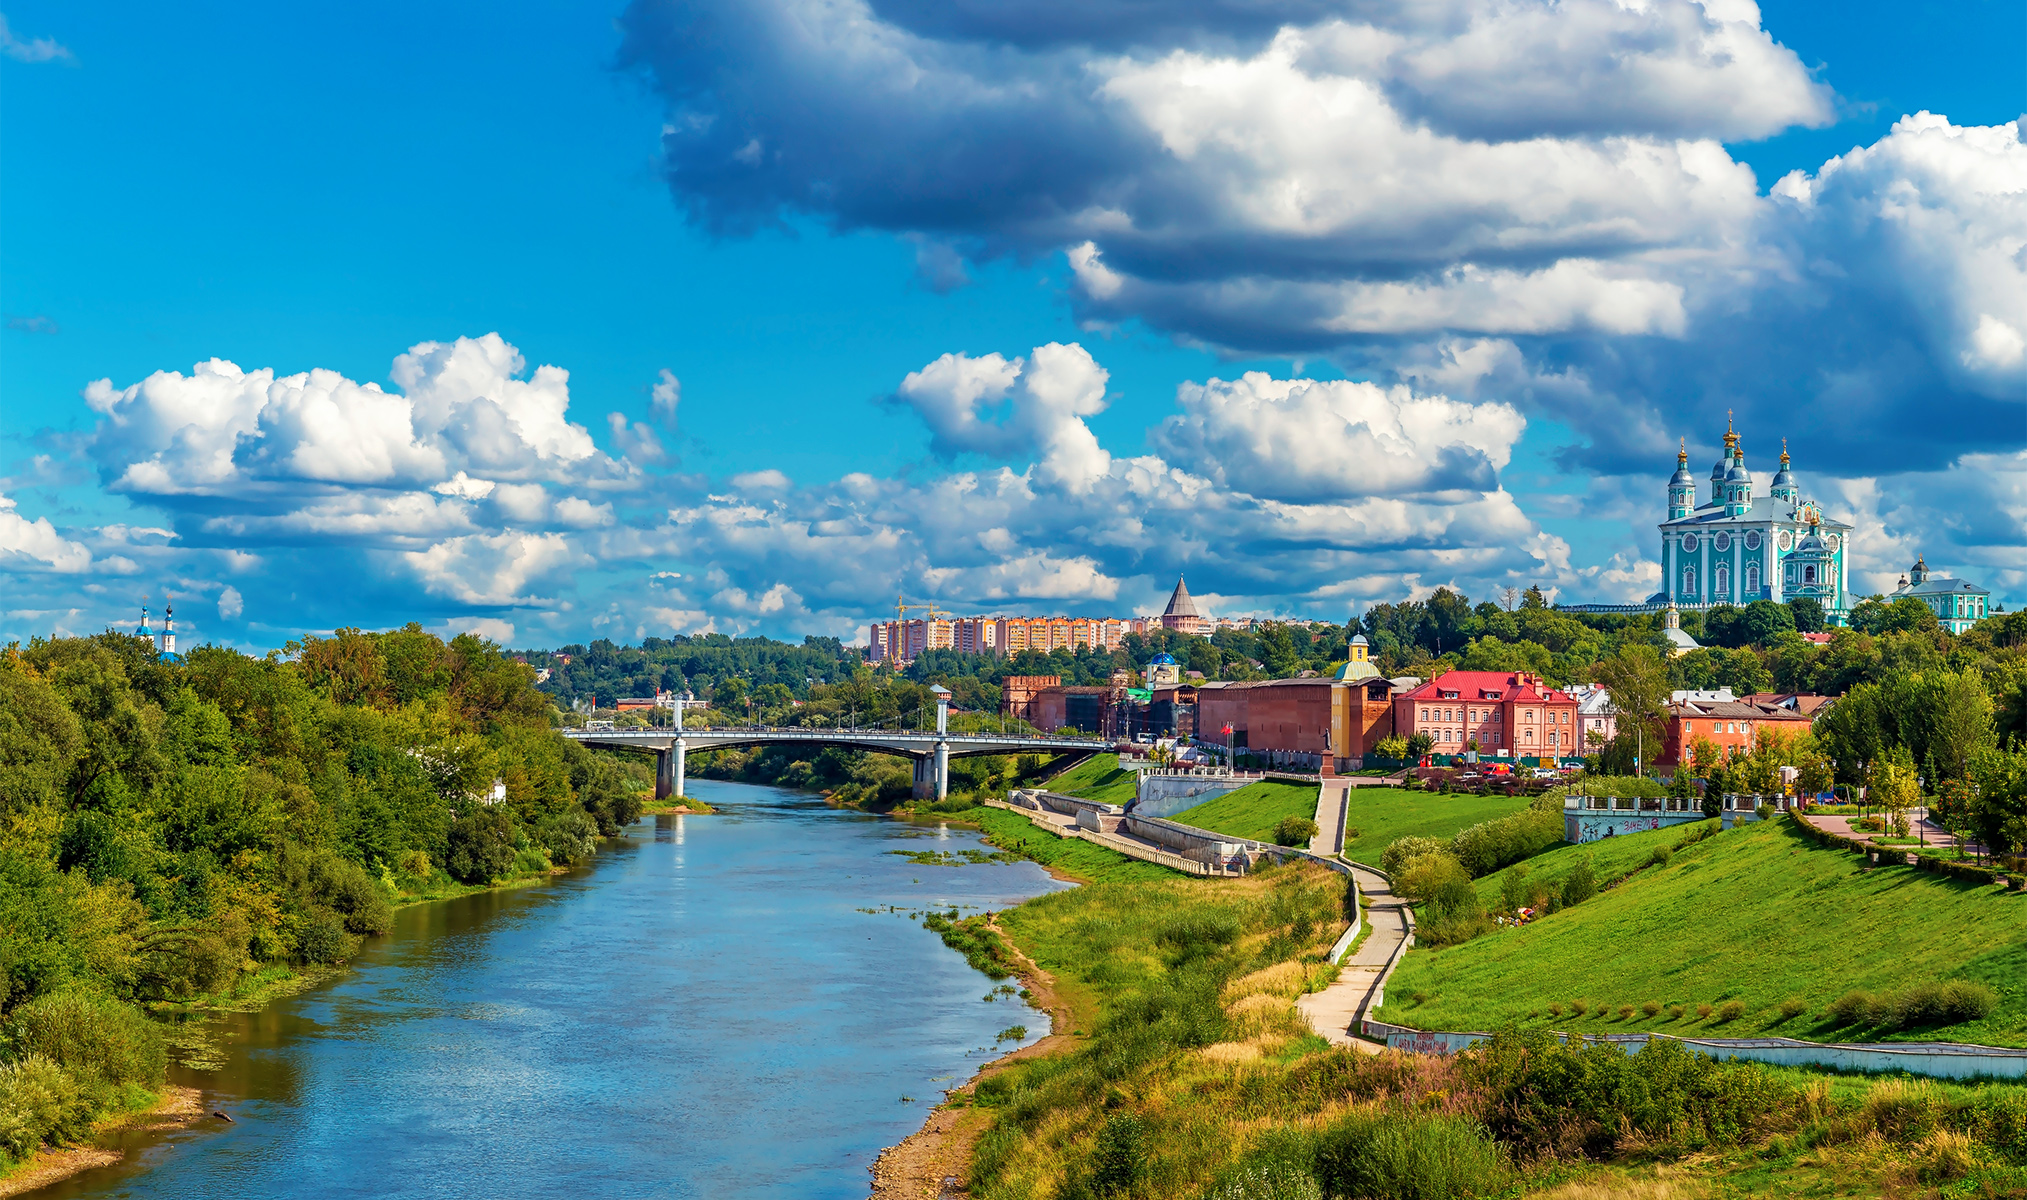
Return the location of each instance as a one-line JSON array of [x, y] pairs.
[[1333, 795], [1334, 1011]]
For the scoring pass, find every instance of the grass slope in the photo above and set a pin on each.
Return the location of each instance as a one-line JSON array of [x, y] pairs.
[[1760, 915], [1072, 856], [1098, 777], [1612, 860], [1253, 811], [1382, 814]]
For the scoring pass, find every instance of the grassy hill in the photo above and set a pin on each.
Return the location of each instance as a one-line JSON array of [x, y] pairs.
[[1612, 859], [1098, 777], [1760, 915], [1382, 814], [1253, 811]]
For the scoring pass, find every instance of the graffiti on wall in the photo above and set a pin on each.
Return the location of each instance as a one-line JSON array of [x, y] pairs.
[[1594, 831]]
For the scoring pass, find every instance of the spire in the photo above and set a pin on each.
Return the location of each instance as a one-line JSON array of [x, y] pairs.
[[1179, 603], [1730, 434], [1682, 453], [1784, 454]]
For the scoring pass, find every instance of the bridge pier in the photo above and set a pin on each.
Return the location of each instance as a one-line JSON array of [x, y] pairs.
[[670, 766], [942, 770]]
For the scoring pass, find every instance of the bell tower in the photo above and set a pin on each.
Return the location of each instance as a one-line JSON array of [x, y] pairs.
[[1681, 486]]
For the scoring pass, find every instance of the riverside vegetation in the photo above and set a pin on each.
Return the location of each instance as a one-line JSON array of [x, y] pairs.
[[1190, 1074], [181, 833]]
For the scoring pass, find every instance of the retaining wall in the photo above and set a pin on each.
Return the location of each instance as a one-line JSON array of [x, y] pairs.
[[1943, 1060], [1161, 794]]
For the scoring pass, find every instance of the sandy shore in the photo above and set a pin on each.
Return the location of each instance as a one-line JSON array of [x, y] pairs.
[[179, 1108], [932, 1163]]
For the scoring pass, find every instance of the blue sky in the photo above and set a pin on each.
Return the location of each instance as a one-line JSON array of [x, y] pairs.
[[742, 197]]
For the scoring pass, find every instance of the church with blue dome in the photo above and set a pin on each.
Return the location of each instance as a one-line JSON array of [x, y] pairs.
[[1734, 547]]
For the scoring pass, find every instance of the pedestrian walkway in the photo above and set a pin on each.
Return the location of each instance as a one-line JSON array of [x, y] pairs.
[[1932, 836], [1335, 1012], [1333, 795]]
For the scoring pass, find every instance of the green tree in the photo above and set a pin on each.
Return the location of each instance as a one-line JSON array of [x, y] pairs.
[[1450, 619], [1638, 686], [1807, 614], [1960, 721], [1763, 621]]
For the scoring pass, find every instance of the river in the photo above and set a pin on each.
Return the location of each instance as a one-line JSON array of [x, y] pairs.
[[707, 1010]]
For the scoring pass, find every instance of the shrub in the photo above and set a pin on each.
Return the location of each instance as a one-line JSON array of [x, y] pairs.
[[1581, 884], [1651, 1007], [1792, 1007], [92, 1036], [1406, 1157], [39, 1101], [322, 937], [1265, 1181], [1548, 1096], [1950, 1003], [1580, 1006], [1120, 1157], [1295, 831], [570, 838], [481, 845], [1555, 1008], [345, 887], [1731, 1011], [1625, 1012], [1675, 1012], [1490, 845], [1703, 1012], [1660, 856], [1397, 855]]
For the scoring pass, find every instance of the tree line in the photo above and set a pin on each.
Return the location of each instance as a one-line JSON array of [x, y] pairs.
[[174, 829]]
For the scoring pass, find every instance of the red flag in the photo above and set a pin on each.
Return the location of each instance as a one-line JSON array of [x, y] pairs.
[[1228, 729]]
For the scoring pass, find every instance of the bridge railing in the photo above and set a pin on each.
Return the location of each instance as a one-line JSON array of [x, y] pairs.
[[805, 732]]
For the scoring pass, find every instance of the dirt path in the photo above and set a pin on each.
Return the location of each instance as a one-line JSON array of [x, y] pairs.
[[932, 1163], [179, 1108]]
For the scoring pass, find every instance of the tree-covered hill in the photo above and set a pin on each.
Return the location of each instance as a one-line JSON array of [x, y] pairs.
[[170, 829]]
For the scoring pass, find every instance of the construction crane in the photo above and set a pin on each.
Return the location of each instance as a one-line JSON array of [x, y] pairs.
[[929, 610]]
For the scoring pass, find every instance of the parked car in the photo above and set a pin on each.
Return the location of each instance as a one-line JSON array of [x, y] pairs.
[[1544, 772]]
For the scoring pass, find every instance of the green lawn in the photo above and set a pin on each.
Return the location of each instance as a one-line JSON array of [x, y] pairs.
[[1379, 815], [1072, 856], [1612, 859], [1760, 915], [1098, 777], [1253, 811]]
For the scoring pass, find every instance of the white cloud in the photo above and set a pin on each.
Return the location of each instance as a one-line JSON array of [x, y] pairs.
[[230, 604], [492, 569], [1304, 440], [492, 629], [31, 50], [27, 545], [664, 398], [1045, 397], [223, 431]]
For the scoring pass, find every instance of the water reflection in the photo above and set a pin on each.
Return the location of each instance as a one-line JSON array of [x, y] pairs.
[[725, 1023]]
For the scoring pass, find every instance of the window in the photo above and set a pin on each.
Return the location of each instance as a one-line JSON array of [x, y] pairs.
[[1723, 580], [1723, 542], [1498, 715], [1689, 543], [1752, 540], [1752, 579], [1689, 581], [1689, 727], [1808, 574], [1425, 714], [1527, 735]]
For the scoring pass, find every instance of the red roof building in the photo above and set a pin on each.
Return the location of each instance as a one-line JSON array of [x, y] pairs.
[[1730, 726], [1513, 712]]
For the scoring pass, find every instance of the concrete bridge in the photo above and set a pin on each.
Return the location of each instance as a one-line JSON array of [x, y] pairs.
[[932, 752]]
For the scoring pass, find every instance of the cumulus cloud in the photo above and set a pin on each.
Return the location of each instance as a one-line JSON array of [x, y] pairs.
[[27, 545], [493, 569], [1375, 180], [1039, 403], [1305, 440], [231, 605]]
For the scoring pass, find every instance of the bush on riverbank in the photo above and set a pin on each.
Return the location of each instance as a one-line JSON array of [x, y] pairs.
[[72, 1058]]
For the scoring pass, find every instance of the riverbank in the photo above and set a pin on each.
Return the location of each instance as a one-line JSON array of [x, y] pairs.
[[176, 1108], [934, 1160]]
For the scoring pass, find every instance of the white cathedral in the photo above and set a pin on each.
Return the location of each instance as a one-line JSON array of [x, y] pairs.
[[1736, 547]]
